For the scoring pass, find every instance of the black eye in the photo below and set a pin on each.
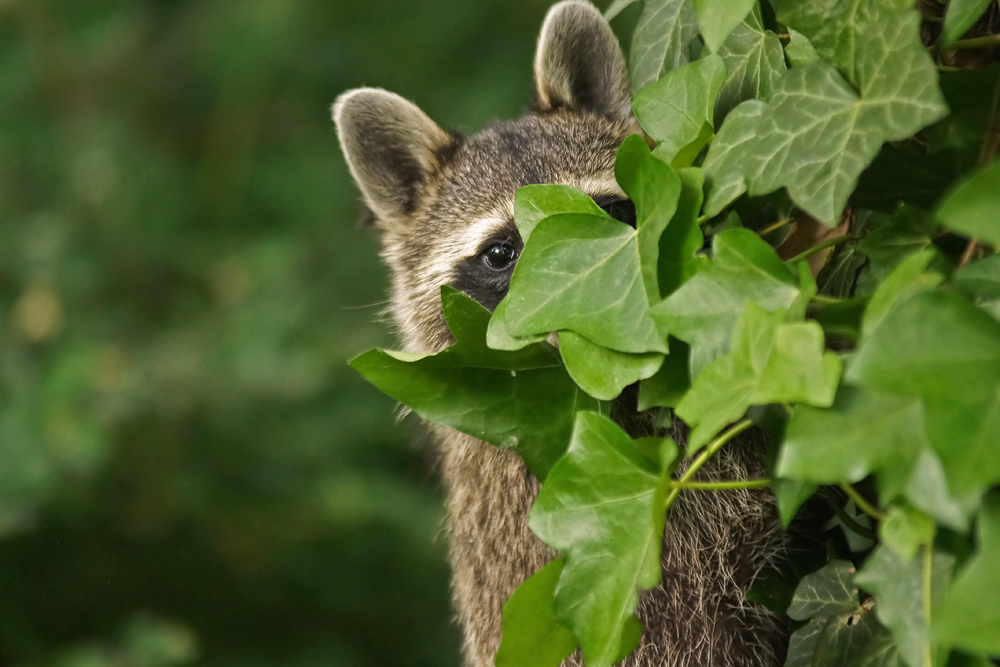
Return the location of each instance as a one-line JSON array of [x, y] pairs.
[[499, 256], [622, 210]]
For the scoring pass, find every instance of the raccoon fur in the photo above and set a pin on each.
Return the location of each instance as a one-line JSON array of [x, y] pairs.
[[444, 206]]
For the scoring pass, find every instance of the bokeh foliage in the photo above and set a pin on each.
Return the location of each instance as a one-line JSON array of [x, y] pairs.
[[189, 472]]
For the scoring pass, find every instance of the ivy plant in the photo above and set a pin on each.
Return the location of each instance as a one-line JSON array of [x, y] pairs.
[[818, 212]]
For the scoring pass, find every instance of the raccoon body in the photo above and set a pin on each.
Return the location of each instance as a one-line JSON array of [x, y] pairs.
[[444, 205]]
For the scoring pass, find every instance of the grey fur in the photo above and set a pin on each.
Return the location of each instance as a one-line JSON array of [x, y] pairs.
[[437, 198]]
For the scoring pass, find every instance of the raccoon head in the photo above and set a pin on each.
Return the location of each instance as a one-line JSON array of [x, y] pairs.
[[444, 203]]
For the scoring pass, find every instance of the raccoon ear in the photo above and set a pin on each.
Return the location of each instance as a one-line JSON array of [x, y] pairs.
[[579, 64], [390, 146]]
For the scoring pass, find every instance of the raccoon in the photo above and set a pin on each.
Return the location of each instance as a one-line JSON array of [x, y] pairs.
[[443, 204]]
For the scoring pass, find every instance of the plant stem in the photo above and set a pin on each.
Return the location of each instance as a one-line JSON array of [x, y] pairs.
[[705, 455], [863, 504], [722, 486], [970, 252], [975, 43], [826, 300], [928, 588], [702, 220], [829, 243], [776, 226]]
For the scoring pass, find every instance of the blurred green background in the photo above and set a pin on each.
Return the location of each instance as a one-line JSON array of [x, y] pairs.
[[190, 474]]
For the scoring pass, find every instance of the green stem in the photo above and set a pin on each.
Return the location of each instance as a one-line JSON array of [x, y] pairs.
[[826, 300], [819, 247], [705, 455], [976, 43], [723, 486], [776, 226], [863, 504], [928, 575], [702, 220]]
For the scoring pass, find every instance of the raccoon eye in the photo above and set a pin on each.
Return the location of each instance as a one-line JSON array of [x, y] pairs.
[[499, 256], [622, 210]]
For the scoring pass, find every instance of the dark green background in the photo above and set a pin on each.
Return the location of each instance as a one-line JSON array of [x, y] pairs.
[[189, 471]]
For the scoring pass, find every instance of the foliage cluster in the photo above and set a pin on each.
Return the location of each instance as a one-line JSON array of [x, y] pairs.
[[847, 302], [189, 474]]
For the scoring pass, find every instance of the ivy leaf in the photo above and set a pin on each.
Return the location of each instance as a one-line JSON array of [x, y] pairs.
[[802, 644], [521, 400], [906, 233], [829, 591], [971, 207], [970, 611], [905, 530], [610, 526], [980, 278], [655, 189], [662, 40], [910, 277], [902, 173], [940, 347], [582, 272], [601, 372], [667, 387], [799, 49], [533, 203], [862, 432], [880, 651], [680, 243], [703, 311], [899, 588], [531, 635], [718, 18], [770, 362], [754, 61], [959, 18], [675, 109], [926, 488], [727, 155], [820, 131]]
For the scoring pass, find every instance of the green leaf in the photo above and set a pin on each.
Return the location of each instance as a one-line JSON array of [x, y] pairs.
[[826, 592], [820, 131], [907, 232], [799, 49], [971, 207], [531, 635], [959, 18], [655, 189], [610, 526], [910, 277], [905, 530], [880, 651], [899, 588], [970, 611], [802, 644], [926, 488], [521, 400], [754, 61], [905, 173], [661, 41], [770, 362], [601, 372], [675, 109], [940, 347], [533, 203], [704, 310], [727, 154], [667, 387], [582, 273], [980, 278], [862, 432], [718, 18], [680, 243]]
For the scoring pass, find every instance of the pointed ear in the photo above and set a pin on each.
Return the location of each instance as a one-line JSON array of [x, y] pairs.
[[390, 145], [579, 64]]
